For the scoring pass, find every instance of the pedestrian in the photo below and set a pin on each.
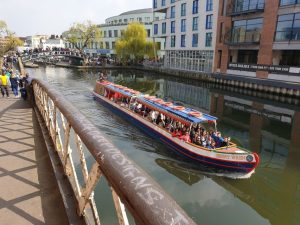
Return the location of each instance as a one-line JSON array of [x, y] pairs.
[[14, 81], [4, 83]]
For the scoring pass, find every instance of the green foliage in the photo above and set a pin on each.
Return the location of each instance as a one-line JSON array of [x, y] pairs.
[[8, 40], [82, 35], [133, 45]]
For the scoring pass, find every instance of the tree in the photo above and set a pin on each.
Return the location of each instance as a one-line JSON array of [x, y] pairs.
[[82, 35], [133, 44], [8, 40]]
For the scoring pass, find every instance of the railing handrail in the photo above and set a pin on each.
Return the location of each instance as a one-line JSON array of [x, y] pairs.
[[143, 197]]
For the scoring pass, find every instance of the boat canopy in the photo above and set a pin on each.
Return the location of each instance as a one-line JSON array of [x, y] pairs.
[[184, 114], [119, 90]]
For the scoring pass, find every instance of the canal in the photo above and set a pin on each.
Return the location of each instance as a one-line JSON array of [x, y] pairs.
[[272, 129]]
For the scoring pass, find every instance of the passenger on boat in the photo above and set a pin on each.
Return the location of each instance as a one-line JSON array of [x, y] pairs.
[[185, 137], [225, 142], [153, 115], [198, 141], [217, 138], [133, 105], [212, 145], [176, 133]]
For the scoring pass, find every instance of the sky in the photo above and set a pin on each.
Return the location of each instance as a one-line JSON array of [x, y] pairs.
[[31, 17]]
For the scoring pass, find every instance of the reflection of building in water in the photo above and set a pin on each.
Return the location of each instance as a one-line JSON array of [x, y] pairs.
[[189, 94], [273, 132]]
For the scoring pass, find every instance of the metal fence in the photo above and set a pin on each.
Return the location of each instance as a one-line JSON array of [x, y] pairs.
[[132, 189]]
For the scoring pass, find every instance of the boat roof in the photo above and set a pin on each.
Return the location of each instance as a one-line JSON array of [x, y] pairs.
[[183, 114]]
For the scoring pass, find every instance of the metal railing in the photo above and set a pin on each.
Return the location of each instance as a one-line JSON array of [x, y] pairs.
[[289, 2], [242, 37], [291, 35], [130, 185]]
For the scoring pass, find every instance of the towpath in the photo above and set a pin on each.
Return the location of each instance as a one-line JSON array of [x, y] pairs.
[[28, 190]]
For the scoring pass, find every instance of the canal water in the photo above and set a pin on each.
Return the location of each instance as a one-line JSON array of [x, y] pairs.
[[272, 129]]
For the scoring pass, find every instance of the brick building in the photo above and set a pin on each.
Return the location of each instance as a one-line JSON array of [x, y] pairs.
[[259, 38]]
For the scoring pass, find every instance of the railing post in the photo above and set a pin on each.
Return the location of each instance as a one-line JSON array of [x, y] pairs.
[[91, 183], [120, 208]]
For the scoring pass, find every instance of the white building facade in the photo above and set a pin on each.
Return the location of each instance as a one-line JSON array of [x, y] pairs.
[[114, 26], [42, 42], [51, 43], [189, 28]]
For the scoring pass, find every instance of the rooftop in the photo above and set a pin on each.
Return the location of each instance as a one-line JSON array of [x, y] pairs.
[[137, 11]]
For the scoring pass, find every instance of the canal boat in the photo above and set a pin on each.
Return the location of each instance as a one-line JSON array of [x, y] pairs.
[[228, 159]]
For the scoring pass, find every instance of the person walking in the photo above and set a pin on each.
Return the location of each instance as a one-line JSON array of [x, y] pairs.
[[14, 81], [4, 83]]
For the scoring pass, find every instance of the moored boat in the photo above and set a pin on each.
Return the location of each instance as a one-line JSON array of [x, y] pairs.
[[157, 117]]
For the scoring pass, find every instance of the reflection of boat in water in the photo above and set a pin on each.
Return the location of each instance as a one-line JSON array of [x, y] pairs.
[[229, 159], [180, 170]]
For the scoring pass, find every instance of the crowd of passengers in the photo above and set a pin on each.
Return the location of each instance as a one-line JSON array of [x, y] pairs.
[[195, 134]]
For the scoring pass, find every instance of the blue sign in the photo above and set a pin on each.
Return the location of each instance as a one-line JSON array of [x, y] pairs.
[[103, 51]]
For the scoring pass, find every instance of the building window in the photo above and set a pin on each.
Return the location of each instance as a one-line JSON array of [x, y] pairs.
[[209, 5], [290, 58], [116, 33], [109, 33], [163, 28], [183, 9], [148, 32], [289, 2], [113, 45], [183, 25], [163, 2], [155, 28], [208, 39], [125, 20], [209, 21], [288, 27], [195, 6], [195, 40], [154, 4], [182, 41], [107, 45], [195, 23], [247, 5], [246, 31], [104, 33], [247, 56], [172, 12], [172, 1], [173, 41], [172, 26]]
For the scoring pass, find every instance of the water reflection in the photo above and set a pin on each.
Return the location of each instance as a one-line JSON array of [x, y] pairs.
[[271, 196]]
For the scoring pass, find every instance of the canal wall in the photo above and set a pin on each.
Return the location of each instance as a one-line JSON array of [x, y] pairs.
[[249, 83]]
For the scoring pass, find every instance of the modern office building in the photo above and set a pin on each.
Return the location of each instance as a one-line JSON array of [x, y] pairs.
[[259, 38], [189, 27], [114, 26]]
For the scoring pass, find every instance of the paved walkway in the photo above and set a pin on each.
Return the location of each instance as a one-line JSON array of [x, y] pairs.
[[28, 189]]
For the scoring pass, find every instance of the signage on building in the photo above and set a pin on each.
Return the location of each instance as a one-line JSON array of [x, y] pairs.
[[269, 68], [97, 51]]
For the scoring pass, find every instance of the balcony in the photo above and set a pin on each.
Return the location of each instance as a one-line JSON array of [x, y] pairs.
[[287, 36], [242, 37], [238, 7], [289, 2]]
